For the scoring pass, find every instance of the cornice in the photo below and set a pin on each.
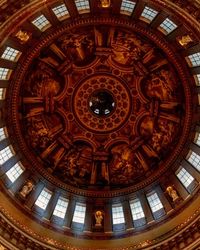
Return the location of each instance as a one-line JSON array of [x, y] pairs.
[[186, 233], [16, 13]]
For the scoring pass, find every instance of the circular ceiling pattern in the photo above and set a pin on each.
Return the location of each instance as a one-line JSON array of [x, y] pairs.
[[85, 149], [106, 88], [101, 119]]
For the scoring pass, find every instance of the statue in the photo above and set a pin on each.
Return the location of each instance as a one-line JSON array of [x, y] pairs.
[[2, 247], [98, 218], [105, 3], [26, 189], [184, 40], [23, 36], [172, 193]]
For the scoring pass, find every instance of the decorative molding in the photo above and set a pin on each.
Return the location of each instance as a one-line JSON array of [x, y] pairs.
[[184, 235]]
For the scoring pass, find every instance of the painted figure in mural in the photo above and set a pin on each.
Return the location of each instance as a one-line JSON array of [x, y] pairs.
[[159, 131], [38, 132], [98, 218], [161, 85], [75, 167], [128, 49], [125, 166], [73, 163], [78, 47]]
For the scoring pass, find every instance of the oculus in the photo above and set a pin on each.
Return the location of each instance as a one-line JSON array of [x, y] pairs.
[[101, 103]]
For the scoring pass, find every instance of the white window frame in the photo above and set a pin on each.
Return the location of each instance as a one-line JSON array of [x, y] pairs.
[[11, 54], [83, 6], [194, 160], [197, 139], [14, 172], [197, 79], [61, 207], [61, 11], [194, 59], [43, 199], [6, 153], [79, 213], [148, 14], [117, 214], [3, 134], [185, 178], [2, 93], [5, 73], [136, 209], [41, 23], [154, 202], [167, 26], [127, 7]]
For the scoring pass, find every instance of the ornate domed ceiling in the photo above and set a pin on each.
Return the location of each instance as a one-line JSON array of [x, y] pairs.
[[101, 106], [99, 134]]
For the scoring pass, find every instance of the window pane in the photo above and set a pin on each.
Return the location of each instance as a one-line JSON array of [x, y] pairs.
[[154, 202], [185, 178], [41, 23], [11, 54], [197, 79], [82, 5], [168, 26], [194, 159], [15, 172], [43, 199], [79, 213], [5, 154], [117, 214], [195, 59], [61, 11], [136, 209], [2, 134], [149, 13], [127, 7], [197, 139], [5, 73], [2, 93], [61, 208]]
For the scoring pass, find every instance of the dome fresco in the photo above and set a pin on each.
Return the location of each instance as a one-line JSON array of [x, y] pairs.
[[99, 135], [92, 147]]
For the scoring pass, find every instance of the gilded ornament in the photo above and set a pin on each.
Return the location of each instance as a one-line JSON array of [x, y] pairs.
[[105, 3], [185, 40], [172, 193], [23, 36], [98, 218]]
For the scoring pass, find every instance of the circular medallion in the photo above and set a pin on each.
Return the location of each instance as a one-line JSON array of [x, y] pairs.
[[102, 103]]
